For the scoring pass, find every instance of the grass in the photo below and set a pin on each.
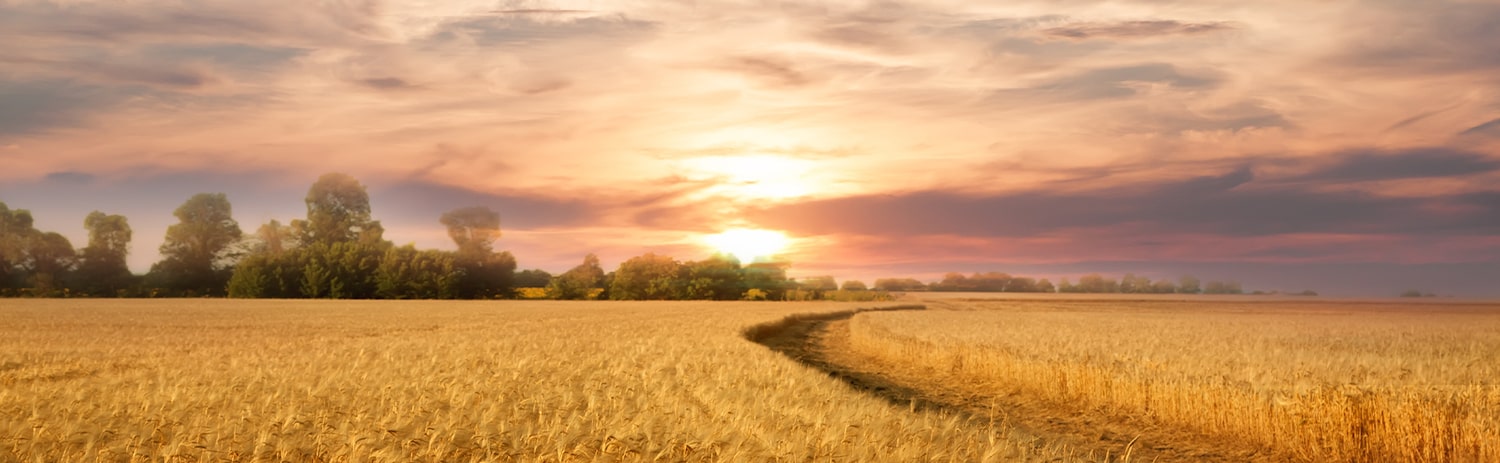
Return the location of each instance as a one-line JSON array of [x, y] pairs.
[[387, 381], [1312, 381]]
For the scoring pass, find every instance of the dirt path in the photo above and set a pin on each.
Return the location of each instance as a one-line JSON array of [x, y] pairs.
[[823, 343]]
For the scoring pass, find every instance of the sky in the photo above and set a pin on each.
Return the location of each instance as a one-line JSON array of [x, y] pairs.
[[1350, 147]]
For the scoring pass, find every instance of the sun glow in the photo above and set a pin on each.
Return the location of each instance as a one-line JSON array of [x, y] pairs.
[[761, 176], [747, 244]]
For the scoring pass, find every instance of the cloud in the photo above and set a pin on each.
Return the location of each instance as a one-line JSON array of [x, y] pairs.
[[1134, 29], [387, 83], [1113, 83], [1358, 166], [1230, 204], [767, 69], [1490, 129], [34, 107], [424, 202]]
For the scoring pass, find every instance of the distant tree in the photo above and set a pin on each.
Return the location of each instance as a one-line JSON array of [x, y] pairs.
[[408, 273], [817, 286], [534, 278], [274, 238], [1163, 287], [1020, 285], [854, 285], [899, 284], [338, 211], [1132, 283], [345, 270], [267, 275], [1066, 286], [1045, 286], [16, 235], [486, 273], [49, 259], [578, 282], [1095, 283], [767, 279], [952, 281], [473, 229], [197, 251], [646, 277], [1222, 287], [1188, 284], [101, 266], [716, 278]]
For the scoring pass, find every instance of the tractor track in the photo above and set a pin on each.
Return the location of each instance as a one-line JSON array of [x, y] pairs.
[[821, 341]]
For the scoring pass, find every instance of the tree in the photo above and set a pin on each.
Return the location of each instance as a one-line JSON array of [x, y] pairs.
[[1222, 287], [274, 238], [1066, 286], [197, 250], [1188, 284], [1163, 287], [1045, 286], [48, 260], [718, 278], [473, 229], [899, 284], [578, 282], [646, 277], [101, 267], [534, 278], [338, 211], [816, 286], [16, 234], [407, 273], [486, 273], [767, 279], [855, 285]]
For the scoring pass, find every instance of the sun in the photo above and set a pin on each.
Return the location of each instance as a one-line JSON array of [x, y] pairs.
[[748, 244]]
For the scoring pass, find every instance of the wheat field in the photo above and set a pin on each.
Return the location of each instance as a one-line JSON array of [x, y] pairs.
[[328, 381], [1290, 380]]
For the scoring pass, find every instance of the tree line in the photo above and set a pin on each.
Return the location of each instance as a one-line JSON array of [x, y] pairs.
[[339, 251], [1092, 283]]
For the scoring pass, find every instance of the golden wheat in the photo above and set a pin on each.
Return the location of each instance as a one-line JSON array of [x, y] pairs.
[[216, 380], [1359, 382]]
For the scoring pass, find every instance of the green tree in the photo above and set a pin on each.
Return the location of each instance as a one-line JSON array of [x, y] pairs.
[[816, 286], [646, 277], [1188, 284], [854, 285], [533, 278], [486, 273], [274, 238], [899, 284], [338, 211], [16, 234], [48, 261], [197, 251], [1045, 286], [344, 270], [768, 278], [101, 266], [408, 273], [717, 278], [473, 229], [579, 282]]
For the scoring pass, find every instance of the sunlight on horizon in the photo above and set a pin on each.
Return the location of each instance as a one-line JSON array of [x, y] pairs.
[[748, 244]]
